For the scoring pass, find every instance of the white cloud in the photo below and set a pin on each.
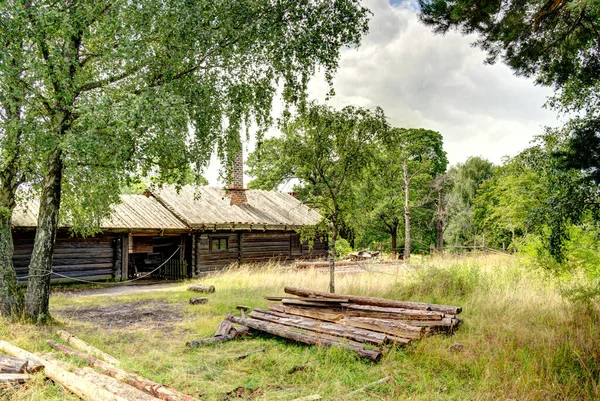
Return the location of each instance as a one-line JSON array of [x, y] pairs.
[[421, 79]]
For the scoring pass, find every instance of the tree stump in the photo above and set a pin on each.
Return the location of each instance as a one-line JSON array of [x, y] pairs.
[[209, 289], [198, 301]]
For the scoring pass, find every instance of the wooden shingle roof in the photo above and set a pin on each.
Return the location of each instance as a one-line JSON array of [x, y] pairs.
[[210, 208], [194, 208]]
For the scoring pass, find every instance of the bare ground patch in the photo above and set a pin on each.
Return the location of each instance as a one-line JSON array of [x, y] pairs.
[[146, 313]]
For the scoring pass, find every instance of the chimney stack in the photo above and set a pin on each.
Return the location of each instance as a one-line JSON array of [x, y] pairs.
[[237, 192]]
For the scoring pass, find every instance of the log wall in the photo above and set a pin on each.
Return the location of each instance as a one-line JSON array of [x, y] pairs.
[[208, 260], [250, 247], [85, 258]]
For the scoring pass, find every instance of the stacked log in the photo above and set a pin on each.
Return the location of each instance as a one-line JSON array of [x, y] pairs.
[[361, 324], [105, 382]]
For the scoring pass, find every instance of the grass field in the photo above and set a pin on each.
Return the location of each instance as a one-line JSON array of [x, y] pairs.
[[521, 340]]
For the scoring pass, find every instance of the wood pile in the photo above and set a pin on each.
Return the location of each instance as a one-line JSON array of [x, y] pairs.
[[103, 380], [361, 324]]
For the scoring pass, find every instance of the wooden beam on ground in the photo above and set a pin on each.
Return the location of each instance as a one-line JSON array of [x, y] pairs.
[[72, 382], [313, 303], [318, 326], [201, 288], [326, 315], [198, 301], [392, 327], [141, 383], [306, 337], [361, 300], [85, 347], [223, 328], [12, 365], [391, 313], [234, 332], [110, 384]]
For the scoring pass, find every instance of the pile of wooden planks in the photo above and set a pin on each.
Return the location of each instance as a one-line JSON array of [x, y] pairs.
[[361, 324], [103, 380]]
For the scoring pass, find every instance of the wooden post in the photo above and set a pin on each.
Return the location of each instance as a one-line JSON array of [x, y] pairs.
[[125, 257]]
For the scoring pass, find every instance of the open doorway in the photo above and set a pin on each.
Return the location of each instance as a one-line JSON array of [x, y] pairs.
[[158, 257]]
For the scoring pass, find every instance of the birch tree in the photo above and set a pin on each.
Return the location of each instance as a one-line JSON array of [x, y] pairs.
[[130, 88]]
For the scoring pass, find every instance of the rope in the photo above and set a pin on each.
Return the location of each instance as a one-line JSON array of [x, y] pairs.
[[107, 283]]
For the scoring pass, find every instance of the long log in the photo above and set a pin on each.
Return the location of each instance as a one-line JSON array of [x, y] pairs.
[[454, 310], [78, 386], [12, 365], [318, 326], [326, 315], [391, 313], [85, 347], [393, 327], [305, 337], [141, 383], [327, 300], [313, 303], [110, 384]]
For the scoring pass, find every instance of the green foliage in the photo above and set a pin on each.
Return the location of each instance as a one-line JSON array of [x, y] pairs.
[[325, 150], [127, 90], [405, 161], [342, 248], [556, 42], [466, 179]]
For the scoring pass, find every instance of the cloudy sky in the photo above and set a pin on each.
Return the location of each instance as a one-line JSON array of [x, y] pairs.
[[425, 80]]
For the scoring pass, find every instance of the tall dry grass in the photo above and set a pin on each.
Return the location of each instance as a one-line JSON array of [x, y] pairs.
[[520, 339]]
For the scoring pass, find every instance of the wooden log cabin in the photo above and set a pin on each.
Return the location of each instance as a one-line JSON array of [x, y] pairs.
[[204, 230]]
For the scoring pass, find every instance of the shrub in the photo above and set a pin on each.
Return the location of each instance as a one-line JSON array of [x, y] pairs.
[[342, 248]]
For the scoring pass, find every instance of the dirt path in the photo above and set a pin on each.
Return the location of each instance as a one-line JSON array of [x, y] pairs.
[[119, 290]]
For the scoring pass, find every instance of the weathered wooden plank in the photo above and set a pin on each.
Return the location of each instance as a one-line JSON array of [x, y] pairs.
[[74, 383], [338, 330], [391, 313], [306, 337], [320, 300], [392, 327], [316, 303], [361, 300], [321, 314], [12, 365], [139, 382], [85, 347]]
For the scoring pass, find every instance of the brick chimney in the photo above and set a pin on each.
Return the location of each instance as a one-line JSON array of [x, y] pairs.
[[237, 192]]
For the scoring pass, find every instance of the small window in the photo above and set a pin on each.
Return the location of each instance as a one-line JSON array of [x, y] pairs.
[[219, 244], [295, 246]]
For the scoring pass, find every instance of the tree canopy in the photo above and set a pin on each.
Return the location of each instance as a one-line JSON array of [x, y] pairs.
[[326, 151], [124, 89]]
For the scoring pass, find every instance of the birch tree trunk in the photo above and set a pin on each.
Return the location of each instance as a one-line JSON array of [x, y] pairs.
[[10, 294], [38, 285]]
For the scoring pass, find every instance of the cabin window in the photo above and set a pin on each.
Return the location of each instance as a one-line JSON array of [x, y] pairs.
[[219, 244]]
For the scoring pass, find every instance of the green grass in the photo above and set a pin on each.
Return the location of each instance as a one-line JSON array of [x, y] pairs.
[[521, 340]]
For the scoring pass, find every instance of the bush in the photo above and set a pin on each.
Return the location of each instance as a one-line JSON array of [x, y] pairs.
[[342, 248]]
